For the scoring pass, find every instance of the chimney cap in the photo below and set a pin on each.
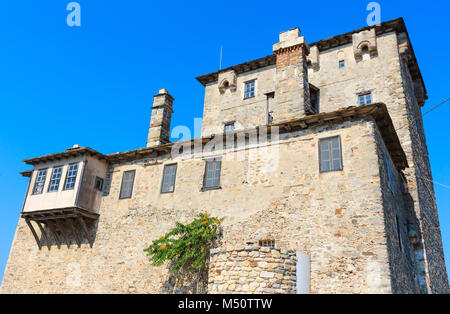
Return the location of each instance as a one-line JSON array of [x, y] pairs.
[[163, 91], [76, 146]]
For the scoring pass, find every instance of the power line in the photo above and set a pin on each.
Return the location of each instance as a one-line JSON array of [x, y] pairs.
[[436, 106], [427, 112]]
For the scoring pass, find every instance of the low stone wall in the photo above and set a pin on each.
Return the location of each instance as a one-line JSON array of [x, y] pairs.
[[252, 269]]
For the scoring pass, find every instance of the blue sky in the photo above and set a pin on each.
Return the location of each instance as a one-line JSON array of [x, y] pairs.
[[93, 85]]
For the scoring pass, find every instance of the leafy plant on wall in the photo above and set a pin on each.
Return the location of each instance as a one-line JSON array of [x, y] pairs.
[[186, 245]]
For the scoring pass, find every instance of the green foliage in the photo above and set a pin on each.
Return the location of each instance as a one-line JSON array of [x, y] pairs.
[[185, 244]]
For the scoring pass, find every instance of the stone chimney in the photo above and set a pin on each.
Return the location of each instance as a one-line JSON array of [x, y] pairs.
[[159, 132], [292, 99]]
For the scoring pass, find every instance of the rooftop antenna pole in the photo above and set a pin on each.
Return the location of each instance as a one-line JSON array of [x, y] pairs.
[[220, 63]]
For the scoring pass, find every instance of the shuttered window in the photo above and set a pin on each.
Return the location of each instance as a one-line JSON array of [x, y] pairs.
[[330, 155], [126, 189], [212, 174], [71, 177], [55, 179], [168, 182], [40, 181]]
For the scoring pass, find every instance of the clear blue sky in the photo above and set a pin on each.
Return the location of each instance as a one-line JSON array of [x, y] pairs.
[[94, 85]]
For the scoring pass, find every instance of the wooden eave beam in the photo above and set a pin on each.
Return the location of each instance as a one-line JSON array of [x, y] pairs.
[[34, 233], [63, 231], [44, 234]]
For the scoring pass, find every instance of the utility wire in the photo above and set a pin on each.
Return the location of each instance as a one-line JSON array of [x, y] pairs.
[[436, 106], [427, 112]]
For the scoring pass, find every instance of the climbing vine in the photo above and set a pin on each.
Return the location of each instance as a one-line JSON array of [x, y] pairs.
[[185, 244]]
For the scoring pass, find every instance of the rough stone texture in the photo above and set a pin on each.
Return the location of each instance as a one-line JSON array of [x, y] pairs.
[[363, 235], [252, 269], [338, 218]]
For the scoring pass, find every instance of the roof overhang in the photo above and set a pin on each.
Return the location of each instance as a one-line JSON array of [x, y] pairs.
[[378, 112], [71, 153]]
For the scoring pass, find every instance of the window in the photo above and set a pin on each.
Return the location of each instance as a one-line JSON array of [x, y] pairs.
[[388, 169], [126, 188], [55, 179], [249, 91], [314, 98], [267, 243], [40, 181], [341, 63], [229, 127], [399, 233], [365, 99], [211, 179], [71, 177], [168, 181], [330, 155], [99, 184]]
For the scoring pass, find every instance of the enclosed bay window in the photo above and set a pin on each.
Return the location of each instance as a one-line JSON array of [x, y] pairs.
[[71, 177], [55, 179], [211, 178], [40, 181], [330, 154], [126, 189], [168, 181]]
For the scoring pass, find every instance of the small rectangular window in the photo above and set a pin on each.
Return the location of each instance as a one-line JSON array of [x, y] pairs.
[[249, 89], [40, 181], [341, 63], [267, 243], [168, 181], [99, 184], [365, 99], [229, 127], [71, 177], [399, 233], [388, 169], [211, 179], [55, 179], [330, 154], [126, 189]]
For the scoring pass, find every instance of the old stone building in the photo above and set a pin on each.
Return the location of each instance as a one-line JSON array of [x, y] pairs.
[[316, 155]]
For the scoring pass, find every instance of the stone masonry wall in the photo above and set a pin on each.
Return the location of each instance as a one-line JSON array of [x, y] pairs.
[[337, 218], [252, 269]]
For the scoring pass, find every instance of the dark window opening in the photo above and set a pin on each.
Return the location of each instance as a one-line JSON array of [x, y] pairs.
[[99, 184], [399, 234], [267, 243], [341, 63], [314, 98]]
